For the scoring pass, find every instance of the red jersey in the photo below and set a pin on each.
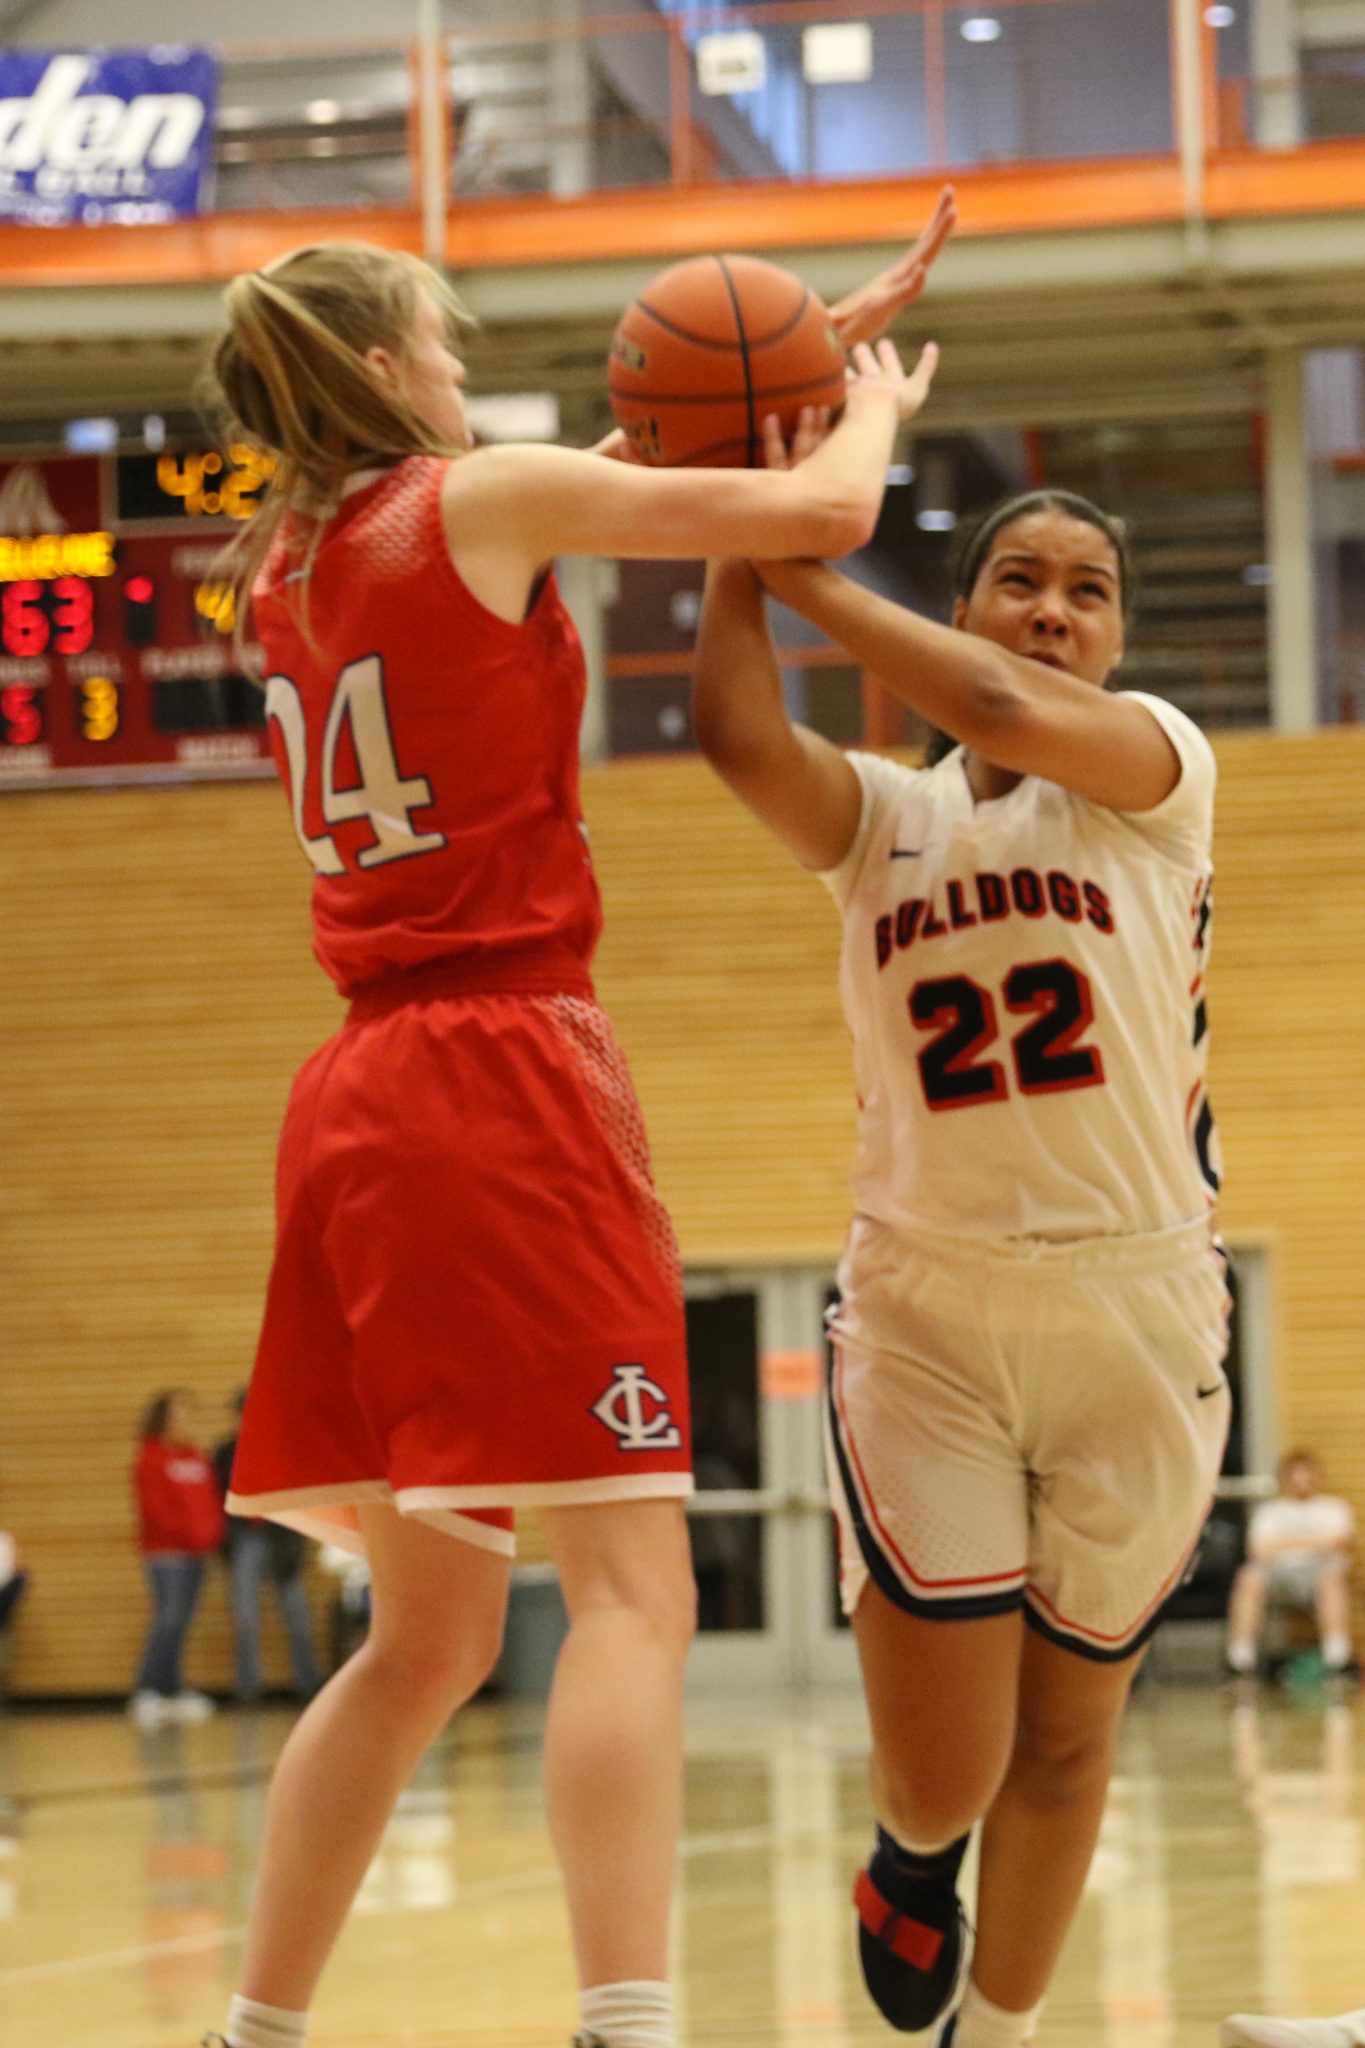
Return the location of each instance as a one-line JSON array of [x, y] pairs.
[[430, 752], [180, 1506]]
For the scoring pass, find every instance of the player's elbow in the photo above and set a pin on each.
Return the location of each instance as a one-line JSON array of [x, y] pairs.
[[851, 527], [846, 524], [825, 524]]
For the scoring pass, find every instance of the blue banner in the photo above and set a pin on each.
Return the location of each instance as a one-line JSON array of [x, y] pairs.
[[103, 136]]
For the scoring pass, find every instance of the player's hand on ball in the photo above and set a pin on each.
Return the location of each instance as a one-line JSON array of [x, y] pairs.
[[875, 368], [866, 314], [811, 428], [615, 446]]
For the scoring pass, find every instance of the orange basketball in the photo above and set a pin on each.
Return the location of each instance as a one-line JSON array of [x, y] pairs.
[[708, 350]]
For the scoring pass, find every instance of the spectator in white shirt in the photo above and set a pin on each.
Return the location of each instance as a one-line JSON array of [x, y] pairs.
[[12, 1584], [1298, 1555], [12, 1580]]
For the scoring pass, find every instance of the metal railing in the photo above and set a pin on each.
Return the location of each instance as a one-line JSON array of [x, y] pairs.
[[688, 95]]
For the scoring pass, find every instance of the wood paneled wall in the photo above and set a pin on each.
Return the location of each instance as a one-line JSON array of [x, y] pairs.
[[157, 991]]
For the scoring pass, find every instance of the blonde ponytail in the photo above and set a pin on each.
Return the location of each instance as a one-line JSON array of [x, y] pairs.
[[290, 378]]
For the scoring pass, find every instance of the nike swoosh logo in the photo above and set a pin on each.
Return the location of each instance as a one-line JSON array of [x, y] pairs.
[[1207, 1393], [906, 852]]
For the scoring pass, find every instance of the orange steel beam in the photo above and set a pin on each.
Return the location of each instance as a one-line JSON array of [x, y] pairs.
[[414, 124], [683, 222], [189, 251], [1208, 64], [1035, 457], [416, 164], [679, 106], [668, 221], [1325, 177], [790, 216]]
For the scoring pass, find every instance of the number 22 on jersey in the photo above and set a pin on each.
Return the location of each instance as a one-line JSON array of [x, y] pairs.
[[1048, 1054], [384, 797]]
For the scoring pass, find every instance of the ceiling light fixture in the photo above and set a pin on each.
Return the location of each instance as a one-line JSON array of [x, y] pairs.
[[981, 28]]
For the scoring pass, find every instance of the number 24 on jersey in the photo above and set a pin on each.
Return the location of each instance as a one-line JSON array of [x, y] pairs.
[[384, 797]]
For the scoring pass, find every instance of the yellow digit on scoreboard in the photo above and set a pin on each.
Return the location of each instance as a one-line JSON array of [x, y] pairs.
[[217, 602], [99, 708]]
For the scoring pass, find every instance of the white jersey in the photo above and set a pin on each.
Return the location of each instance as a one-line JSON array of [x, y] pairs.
[[1024, 980], [1323, 1517]]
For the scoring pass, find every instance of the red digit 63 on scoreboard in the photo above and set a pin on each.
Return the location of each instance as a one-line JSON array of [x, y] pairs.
[[41, 618]]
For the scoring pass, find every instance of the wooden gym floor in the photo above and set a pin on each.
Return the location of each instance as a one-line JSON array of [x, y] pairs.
[[1231, 1874]]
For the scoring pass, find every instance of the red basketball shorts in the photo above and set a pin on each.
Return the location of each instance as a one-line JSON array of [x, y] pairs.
[[476, 1301]]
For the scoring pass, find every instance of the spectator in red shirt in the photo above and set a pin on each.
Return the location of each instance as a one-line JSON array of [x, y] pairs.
[[180, 1525]]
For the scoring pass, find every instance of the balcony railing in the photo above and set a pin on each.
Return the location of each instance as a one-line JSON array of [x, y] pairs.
[[712, 95]]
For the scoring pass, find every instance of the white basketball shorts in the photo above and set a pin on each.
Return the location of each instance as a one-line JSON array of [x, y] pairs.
[[1025, 1424]]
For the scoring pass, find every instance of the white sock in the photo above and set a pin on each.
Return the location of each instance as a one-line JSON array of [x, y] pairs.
[[1336, 1649], [251, 2025], [1241, 1657], [983, 2025], [631, 2015]]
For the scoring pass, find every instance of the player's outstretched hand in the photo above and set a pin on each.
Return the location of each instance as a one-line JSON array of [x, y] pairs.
[[866, 314], [882, 366], [811, 428]]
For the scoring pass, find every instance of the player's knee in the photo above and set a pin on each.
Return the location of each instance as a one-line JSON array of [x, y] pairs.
[[929, 1806], [657, 1594], [1062, 1759], [437, 1673], [667, 1606]]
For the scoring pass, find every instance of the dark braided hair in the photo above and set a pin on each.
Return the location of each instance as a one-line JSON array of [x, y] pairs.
[[972, 548]]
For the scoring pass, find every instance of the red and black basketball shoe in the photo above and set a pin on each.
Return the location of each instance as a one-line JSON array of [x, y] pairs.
[[912, 1932]]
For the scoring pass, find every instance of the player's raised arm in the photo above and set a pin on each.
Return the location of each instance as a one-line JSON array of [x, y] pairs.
[[1035, 711], [800, 786], [545, 501]]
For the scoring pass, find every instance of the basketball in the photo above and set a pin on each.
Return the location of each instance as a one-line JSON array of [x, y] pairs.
[[708, 350]]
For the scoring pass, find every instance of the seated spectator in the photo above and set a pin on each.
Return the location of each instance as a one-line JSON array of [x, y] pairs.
[[12, 1580], [1298, 1556], [12, 1584]]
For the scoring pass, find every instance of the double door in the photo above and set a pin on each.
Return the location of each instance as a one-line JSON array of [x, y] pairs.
[[762, 1534]]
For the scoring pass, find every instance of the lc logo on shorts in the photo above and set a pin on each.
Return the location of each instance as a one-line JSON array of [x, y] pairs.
[[635, 1410]]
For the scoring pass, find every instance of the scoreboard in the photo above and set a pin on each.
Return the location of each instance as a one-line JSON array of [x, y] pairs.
[[117, 623]]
